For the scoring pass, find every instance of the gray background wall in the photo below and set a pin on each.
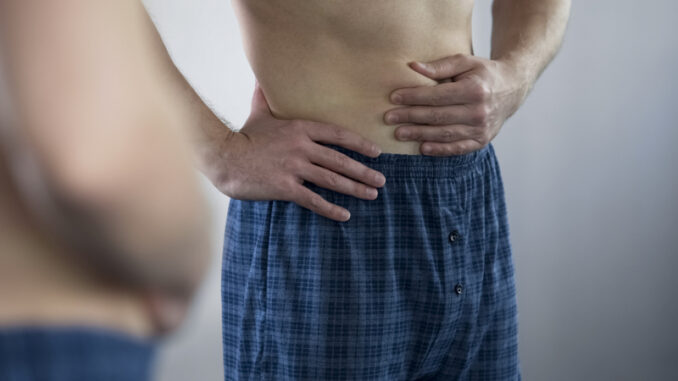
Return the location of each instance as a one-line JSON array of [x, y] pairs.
[[589, 168]]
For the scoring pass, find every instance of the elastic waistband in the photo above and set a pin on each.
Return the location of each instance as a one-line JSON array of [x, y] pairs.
[[404, 165], [80, 333], [75, 353]]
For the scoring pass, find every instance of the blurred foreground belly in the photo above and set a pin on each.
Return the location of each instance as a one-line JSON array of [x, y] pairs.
[[338, 61], [42, 283]]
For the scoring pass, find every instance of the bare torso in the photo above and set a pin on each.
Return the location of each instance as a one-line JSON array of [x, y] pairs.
[[331, 61], [337, 61], [42, 283]]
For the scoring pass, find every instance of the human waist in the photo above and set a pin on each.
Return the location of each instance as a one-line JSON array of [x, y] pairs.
[[338, 62], [61, 297], [349, 90], [41, 283]]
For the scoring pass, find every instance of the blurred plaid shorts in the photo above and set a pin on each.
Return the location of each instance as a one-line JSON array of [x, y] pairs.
[[73, 354], [417, 285]]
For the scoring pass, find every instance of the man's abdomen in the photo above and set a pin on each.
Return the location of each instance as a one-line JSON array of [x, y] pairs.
[[338, 62]]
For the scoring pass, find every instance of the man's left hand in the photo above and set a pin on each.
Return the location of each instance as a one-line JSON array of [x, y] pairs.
[[464, 111]]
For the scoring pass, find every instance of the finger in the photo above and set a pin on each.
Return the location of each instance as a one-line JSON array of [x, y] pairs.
[[444, 94], [447, 67], [448, 149], [327, 179], [332, 134], [340, 163], [456, 114], [440, 134], [314, 202]]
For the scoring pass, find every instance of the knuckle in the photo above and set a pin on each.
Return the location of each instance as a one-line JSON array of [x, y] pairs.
[[435, 66], [444, 150], [287, 163], [473, 79], [436, 116], [285, 188], [296, 145], [449, 92], [485, 137], [479, 116], [446, 134], [340, 161], [339, 134], [296, 126], [332, 179], [290, 163], [455, 149], [315, 201], [367, 147], [487, 115], [437, 98], [479, 92], [485, 91], [478, 134], [415, 134]]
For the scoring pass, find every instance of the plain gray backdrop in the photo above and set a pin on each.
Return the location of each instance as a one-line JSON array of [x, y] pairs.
[[589, 165]]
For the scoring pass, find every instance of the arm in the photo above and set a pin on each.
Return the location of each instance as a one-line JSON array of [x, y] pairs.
[[527, 34], [95, 144], [269, 158], [476, 95]]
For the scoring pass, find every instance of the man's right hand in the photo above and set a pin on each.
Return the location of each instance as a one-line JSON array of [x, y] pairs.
[[269, 159]]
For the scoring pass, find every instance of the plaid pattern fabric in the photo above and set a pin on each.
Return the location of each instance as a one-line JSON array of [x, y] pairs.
[[417, 285], [72, 354]]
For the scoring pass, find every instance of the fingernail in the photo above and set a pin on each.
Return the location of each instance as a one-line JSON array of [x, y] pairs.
[[396, 98], [379, 178], [392, 118], [426, 149], [372, 193], [376, 150], [403, 135], [346, 215]]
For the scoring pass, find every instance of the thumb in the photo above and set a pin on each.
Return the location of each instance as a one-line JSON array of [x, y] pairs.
[[447, 67], [259, 103]]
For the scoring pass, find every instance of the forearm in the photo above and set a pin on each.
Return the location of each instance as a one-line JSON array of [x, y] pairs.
[[527, 34], [208, 132], [112, 177]]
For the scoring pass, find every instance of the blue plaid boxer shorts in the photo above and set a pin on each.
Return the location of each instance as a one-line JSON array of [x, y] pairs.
[[417, 285], [73, 354]]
